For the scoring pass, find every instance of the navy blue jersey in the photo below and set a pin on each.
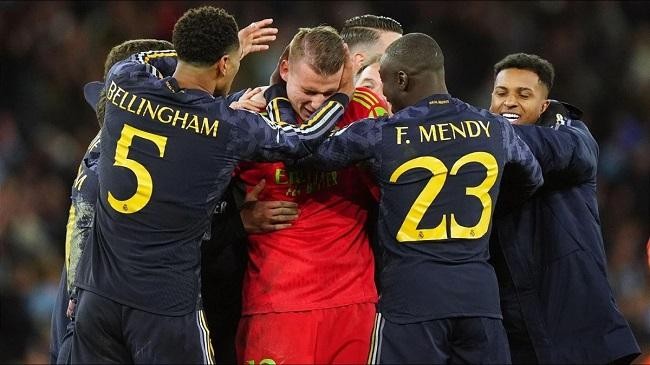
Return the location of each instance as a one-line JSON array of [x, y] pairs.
[[82, 210], [438, 165], [167, 155], [80, 218]]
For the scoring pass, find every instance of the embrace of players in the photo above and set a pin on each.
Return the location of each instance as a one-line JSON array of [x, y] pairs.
[[362, 213]]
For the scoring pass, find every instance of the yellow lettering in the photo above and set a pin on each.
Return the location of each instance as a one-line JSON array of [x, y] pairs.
[[431, 134], [473, 132], [194, 124], [111, 90], [117, 95], [442, 130], [160, 114], [149, 109], [460, 131], [400, 133], [142, 101], [486, 127], [128, 108], [281, 176], [206, 129], [126, 93], [177, 118]]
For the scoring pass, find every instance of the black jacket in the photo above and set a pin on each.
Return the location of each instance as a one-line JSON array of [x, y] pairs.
[[552, 262]]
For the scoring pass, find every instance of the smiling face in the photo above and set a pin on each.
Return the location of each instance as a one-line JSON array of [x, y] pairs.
[[307, 89], [519, 96]]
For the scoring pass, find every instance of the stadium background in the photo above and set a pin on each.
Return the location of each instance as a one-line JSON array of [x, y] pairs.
[[49, 50]]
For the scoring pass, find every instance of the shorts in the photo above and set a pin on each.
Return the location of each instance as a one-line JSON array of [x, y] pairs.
[[109, 332], [460, 340], [338, 335]]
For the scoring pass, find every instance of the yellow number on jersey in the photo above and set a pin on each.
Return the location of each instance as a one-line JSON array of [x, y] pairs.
[[409, 231], [145, 184]]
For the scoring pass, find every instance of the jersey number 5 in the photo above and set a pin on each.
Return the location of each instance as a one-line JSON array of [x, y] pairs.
[[409, 231], [145, 185]]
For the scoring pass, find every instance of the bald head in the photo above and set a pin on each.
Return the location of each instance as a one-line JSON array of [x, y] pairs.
[[416, 52], [412, 69]]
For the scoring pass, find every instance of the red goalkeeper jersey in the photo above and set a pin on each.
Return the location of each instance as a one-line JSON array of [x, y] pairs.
[[324, 259]]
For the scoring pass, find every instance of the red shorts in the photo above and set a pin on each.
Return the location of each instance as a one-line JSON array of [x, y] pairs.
[[338, 335]]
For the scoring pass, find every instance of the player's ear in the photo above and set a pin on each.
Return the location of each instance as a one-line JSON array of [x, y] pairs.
[[545, 106], [284, 69], [221, 66], [357, 60], [402, 80]]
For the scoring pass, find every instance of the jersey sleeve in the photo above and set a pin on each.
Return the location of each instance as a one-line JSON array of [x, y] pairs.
[[153, 64], [231, 98], [265, 140], [85, 190], [567, 153], [354, 143], [366, 104], [525, 170], [279, 107]]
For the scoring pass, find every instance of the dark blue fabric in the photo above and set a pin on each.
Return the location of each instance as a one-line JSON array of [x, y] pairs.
[[417, 157], [115, 333], [59, 319], [180, 147], [467, 340], [551, 248]]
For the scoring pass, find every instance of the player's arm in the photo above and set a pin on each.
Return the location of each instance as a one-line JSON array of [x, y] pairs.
[[149, 64], [273, 141], [352, 144], [524, 169], [567, 153], [263, 140]]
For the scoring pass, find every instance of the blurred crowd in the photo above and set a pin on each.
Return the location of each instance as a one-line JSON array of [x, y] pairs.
[[49, 50]]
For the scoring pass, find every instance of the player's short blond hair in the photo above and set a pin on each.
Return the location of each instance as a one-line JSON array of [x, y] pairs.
[[321, 47]]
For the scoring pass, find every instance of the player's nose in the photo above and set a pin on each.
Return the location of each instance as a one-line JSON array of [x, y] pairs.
[[317, 101], [510, 101]]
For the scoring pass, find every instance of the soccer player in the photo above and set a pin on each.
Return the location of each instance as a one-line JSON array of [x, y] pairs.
[[84, 191], [167, 154], [367, 37], [548, 253], [311, 283], [438, 162], [368, 77], [82, 209]]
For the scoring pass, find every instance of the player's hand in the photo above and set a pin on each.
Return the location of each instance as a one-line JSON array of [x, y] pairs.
[[251, 99], [275, 76], [347, 78], [254, 38], [266, 216], [70, 311]]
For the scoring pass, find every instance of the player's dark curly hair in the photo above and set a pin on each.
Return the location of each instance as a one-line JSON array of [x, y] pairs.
[[203, 35], [365, 28], [530, 62], [120, 52]]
